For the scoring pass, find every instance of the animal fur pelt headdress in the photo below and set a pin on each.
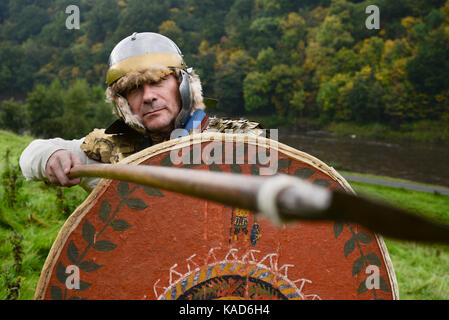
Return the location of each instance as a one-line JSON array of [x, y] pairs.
[[116, 92]]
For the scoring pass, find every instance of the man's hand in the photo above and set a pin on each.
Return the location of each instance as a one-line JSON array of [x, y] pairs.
[[58, 167]]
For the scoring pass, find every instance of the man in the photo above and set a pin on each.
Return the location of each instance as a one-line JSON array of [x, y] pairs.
[[153, 92]]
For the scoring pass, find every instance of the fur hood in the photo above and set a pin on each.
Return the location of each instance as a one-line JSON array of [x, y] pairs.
[[116, 91]]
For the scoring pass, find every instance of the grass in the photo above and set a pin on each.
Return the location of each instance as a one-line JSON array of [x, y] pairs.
[[37, 216], [367, 175], [40, 211], [422, 271]]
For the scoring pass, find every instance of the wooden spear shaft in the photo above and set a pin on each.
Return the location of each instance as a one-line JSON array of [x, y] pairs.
[[229, 189], [281, 198]]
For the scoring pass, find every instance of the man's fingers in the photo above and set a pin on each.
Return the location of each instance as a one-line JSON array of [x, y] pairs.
[[51, 169], [52, 178], [73, 182], [76, 161], [58, 170], [59, 166], [67, 162]]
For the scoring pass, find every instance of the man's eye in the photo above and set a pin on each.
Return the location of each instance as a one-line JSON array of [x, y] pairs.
[[162, 80], [133, 90], [136, 88]]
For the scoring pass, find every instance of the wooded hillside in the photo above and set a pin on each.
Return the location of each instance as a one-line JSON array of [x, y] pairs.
[[288, 60]]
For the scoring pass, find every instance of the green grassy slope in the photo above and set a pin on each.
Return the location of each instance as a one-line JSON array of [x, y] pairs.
[[37, 216], [422, 271]]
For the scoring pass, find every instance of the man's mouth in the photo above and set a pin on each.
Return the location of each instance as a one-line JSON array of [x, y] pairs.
[[153, 112]]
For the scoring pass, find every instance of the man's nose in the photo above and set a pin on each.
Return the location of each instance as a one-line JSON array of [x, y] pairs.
[[149, 94]]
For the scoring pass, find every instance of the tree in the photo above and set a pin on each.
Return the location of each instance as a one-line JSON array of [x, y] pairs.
[[285, 81], [429, 69], [102, 20], [84, 110], [74, 117], [171, 30], [371, 52], [27, 22], [256, 88], [331, 98], [3, 10], [16, 69], [238, 21], [52, 34], [204, 62], [232, 68], [344, 60], [265, 32], [12, 116], [45, 110], [278, 91], [333, 33], [293, 27], [265, 59], [140, 16], [364, 98]]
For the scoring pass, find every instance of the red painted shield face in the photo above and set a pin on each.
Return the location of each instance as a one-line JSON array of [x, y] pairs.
[[135, 242]]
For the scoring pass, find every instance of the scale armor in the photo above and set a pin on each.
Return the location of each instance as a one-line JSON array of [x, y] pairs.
[[112, 148]]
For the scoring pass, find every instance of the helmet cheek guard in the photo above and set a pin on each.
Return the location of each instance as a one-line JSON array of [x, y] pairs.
[[186, 100]]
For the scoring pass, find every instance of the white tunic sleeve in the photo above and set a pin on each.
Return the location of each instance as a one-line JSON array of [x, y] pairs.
[[33, 159]]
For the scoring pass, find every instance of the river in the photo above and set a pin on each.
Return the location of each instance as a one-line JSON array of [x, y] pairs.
[[419, 162]]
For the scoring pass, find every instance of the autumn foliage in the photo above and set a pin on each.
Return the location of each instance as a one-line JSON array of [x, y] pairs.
[[288, 60]]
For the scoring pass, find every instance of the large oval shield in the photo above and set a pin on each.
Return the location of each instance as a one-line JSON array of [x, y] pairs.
[[127, 241]]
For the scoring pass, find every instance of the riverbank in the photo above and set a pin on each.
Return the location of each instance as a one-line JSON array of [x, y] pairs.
[[395, 183], [412, 161], [420, 131]]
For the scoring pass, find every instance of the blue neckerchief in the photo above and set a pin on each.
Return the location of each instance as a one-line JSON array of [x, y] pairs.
[[191, 122]]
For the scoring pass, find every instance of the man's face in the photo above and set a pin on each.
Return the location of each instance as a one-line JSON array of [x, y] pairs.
[[156, 104]]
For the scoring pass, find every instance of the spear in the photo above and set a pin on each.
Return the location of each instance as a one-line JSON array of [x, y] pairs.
[[282, 198]]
